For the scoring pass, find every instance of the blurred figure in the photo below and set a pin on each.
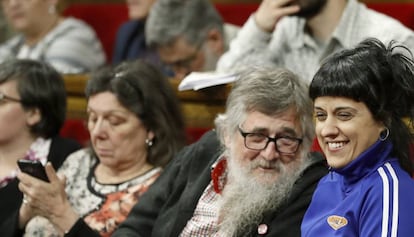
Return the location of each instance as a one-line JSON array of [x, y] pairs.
[[130, 41], [189, 35], [136, 127], [300, 34], [44, 34], [360, 128], [5, 30], [32, 111]]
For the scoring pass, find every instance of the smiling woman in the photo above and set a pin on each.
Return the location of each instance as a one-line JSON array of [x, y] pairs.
[[359, 126]]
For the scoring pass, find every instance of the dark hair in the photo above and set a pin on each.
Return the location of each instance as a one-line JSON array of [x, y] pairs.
[[39, 86], [381, 77], [145, 91]]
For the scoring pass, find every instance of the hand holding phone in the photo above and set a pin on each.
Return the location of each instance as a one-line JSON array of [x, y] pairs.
[[33, 168]]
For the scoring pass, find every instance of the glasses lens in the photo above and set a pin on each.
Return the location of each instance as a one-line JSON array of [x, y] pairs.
[[287, 145], [256, 141]]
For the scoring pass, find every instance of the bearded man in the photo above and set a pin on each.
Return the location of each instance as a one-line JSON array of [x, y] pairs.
[[251, 176], [300, 34]]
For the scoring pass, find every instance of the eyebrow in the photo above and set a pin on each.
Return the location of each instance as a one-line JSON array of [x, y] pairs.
[[106, 112], [284, 130]]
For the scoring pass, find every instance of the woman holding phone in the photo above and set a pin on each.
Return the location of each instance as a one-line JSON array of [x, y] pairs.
[[136, 127], [32, 111]]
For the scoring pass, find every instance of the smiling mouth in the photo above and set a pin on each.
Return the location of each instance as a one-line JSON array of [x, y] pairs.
[[336, 145]]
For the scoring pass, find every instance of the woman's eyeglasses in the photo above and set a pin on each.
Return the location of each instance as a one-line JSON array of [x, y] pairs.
[[4, 97]]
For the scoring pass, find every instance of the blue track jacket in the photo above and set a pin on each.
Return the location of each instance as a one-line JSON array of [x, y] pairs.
[[370, 197]]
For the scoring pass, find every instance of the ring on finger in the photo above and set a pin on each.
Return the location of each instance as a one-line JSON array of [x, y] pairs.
[[25, 200]]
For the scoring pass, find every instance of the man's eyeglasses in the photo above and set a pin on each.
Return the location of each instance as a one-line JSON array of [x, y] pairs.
[[258, 142], [4, 97], [186, 62]]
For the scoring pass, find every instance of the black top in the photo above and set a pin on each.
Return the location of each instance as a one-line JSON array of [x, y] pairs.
[[11, 197]]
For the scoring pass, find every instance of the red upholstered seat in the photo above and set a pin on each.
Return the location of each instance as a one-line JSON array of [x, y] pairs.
[[75, 129], [103, 18]]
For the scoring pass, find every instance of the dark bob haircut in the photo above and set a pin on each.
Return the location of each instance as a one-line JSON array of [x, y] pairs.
[[381, 77], [39, 86]]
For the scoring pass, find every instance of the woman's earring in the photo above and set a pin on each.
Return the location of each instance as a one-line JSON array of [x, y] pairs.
[[384, 134], [148, 142]]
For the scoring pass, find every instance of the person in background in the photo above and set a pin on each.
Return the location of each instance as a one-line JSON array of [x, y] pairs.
[[42, 33], [136, 127], [299, 34], [130, 41], [5, 30], [32, 112], [251, 176], [187, 35], [361, 96]]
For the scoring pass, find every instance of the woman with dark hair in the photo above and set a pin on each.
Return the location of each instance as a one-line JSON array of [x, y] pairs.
[[136, 127], [361, 97], [32, 112]]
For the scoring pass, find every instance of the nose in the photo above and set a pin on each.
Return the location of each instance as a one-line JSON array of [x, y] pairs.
[[98, 129], [270, 152], [327, 128]]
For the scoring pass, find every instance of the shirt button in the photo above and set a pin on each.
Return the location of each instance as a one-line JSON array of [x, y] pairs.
[[262, 229]]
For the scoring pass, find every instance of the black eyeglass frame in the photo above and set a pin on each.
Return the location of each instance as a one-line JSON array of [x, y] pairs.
[[270, 139]]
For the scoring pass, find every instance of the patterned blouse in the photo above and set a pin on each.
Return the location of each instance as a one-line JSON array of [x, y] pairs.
[[102, 206]]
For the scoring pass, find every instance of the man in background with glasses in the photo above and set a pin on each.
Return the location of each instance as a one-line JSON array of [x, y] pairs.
[[253, 175], [188, 35]]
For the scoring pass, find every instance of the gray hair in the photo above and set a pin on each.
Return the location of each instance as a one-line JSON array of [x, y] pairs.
[[190, 19], [269, 91]]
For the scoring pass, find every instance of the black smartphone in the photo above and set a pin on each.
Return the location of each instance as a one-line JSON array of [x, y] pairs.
[[33, 168]]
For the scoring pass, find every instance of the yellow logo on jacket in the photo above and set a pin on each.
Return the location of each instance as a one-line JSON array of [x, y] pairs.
[[337, 222]]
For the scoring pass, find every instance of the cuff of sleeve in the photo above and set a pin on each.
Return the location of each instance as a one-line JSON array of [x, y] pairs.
[[253, 32], [79, 225]]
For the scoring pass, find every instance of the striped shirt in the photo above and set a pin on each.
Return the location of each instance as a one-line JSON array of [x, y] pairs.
[[205, 218]]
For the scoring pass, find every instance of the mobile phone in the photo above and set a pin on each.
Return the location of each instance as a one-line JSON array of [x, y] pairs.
[[33, 168]]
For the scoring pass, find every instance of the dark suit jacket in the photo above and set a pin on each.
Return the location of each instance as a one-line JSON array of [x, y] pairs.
[[130, 43], [11, 197]]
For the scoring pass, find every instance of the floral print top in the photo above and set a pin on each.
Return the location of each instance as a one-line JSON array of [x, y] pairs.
[[102, 206]]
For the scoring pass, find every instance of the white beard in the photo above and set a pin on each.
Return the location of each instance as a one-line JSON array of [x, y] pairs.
[[245, 199]]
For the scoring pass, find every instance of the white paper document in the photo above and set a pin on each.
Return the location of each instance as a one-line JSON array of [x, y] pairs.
[[199, 80]]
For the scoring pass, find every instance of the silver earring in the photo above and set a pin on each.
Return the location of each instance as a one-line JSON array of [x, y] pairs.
[[148, 142], [384, 134], [52, 9]]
